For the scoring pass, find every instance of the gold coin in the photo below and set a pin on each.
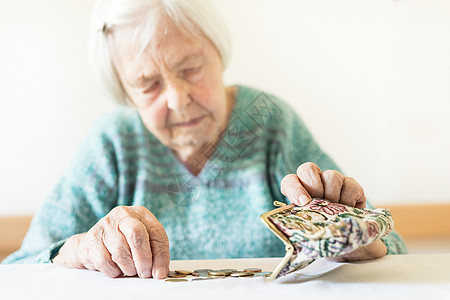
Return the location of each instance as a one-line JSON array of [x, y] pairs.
[[200, 274], [242, 274], [176, 280], [253, 270], [217, 273], [185, 272]]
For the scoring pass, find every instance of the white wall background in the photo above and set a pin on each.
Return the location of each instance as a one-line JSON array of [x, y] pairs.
[[369, 77]]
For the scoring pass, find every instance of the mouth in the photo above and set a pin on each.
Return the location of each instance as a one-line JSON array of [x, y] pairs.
[[190, 123]]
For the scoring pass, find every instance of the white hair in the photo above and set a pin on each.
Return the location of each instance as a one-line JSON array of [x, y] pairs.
[[196, 17]]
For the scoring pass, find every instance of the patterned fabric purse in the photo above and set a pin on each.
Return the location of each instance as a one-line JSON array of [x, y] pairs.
[[323, 229]]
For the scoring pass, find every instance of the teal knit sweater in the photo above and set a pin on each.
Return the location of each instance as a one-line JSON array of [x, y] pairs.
[[209, 216]]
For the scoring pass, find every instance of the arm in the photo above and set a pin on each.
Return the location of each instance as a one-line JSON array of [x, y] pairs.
[[84, 194], [81, 225], [297, 147]]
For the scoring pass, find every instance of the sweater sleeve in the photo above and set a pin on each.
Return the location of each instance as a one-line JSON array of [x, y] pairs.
[[85, 193], [295, 145]]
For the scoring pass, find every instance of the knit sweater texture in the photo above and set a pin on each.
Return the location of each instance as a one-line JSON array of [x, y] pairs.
[[214, 215]]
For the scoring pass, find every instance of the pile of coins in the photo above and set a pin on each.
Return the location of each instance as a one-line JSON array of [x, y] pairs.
[[206, 274]]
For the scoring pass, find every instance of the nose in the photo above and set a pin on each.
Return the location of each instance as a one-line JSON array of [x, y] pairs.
[[177, 95]]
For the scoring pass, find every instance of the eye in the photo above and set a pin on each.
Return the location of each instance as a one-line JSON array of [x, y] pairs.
[[189, 71], [192, 74], [152, 88]]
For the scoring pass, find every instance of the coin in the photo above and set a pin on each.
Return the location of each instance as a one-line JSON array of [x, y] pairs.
[[242, 274], [253, 270], [226, 270], [204, 274], [202, 270], [176, 276], [218, 273], [185, 272], [200, 274], [176, 280], [173, 274], [263, 274]]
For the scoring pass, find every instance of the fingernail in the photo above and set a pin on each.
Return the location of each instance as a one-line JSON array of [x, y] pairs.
[[161, 273], [146, 274], [303, 199]]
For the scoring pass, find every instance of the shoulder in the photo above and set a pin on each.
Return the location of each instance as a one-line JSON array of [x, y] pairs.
[[265, 109], [114, 132], [120, 120], [250, 95], [120, 123]]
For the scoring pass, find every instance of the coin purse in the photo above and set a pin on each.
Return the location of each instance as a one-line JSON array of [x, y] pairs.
[[323, 229]]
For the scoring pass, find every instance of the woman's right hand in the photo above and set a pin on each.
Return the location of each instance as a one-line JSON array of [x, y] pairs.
[[129, 240]]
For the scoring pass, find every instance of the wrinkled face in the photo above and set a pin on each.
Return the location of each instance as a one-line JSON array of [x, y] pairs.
[[176, 86]]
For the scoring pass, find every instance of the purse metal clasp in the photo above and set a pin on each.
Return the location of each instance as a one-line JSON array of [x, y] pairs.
[[278, 204]]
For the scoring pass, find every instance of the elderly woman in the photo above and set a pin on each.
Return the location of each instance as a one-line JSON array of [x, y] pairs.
[[190, 165]]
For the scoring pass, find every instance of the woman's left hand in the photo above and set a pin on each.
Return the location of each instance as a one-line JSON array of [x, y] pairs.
[[310, 182]]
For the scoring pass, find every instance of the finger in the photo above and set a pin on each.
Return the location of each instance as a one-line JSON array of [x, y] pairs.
[[332, 184], [84, 252], [310, 177], [137, 238], [159, 242], [294, 191], [361, 202], [101, 259], [351, 193], [374, 250], [90, 266], [117, 246]]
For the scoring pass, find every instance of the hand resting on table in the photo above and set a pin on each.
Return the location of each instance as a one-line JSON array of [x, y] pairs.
[[127, 241]]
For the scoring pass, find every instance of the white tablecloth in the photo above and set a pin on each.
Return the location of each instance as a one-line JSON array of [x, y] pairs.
[[392, 277]]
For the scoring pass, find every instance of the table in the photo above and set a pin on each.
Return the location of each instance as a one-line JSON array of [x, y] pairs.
[[391, 277]]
